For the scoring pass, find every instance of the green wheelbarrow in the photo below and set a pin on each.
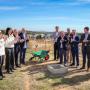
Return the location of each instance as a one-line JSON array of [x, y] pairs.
[[42, 55]]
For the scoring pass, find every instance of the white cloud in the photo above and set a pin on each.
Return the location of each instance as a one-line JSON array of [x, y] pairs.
[[72, 3], [58, 4], [84, 0], [9, 8], [60, 18], [51, 18]]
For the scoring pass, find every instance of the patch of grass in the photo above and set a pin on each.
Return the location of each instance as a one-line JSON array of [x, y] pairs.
[[12, 82]]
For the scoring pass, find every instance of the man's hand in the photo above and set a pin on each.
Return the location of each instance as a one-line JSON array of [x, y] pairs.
[[85, 41], [72, 40], [22, 40]]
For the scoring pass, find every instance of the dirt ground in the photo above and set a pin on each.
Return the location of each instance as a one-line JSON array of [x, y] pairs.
[[39, 78]]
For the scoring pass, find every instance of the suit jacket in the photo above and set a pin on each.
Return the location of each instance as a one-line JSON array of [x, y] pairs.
[[64, 43], [74, 44], [22, 37], [82, 38]]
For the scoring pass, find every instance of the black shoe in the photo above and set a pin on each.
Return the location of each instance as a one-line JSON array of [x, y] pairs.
[[77, 65], [82, 68], [8, 72], [55, 59], [11, 70], [72, 64], [14, 69], [18, 66]]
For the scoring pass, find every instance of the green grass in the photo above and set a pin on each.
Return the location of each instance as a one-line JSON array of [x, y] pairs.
[[40, 79], [12, 82]]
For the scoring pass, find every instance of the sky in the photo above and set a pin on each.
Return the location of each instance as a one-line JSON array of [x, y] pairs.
[[44, 15]]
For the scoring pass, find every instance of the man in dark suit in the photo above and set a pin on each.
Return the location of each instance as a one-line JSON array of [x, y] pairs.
[[55, 37], [62, 44], [74, 48], [85, 40], [23, 45]]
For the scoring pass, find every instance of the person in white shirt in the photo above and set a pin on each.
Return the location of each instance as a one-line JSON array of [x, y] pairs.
[[2, 54], [9, 49]]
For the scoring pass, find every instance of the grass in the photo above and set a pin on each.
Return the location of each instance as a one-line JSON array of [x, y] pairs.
[[39, 79], [12, 82]]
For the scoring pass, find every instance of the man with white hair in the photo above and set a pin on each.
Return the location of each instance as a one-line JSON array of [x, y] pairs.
[[23, 45], [62, 44]]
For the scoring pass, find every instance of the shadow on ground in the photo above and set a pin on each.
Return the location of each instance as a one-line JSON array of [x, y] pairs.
[[73, 77]]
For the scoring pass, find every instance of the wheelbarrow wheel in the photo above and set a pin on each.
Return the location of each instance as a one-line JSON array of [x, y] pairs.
[[41, 60], [47, 57]]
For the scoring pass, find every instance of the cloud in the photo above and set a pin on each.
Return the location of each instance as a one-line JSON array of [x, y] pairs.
[[84, 0], [9, 8], [60, 18], [57, 4], [50, 18]]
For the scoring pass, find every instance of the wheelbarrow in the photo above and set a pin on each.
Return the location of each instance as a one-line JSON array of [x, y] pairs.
[[42, 55]]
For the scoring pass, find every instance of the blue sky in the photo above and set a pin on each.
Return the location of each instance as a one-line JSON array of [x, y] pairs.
[[44, 15]]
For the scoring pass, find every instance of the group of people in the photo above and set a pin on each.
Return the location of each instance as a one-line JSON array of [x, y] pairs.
[[13, 47], [66, 47]]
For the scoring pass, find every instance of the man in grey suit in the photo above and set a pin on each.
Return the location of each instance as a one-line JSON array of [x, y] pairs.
[[55, 37]]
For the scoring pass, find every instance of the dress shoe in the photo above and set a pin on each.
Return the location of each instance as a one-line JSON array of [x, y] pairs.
[[11, 70], [82, 68], [14, 69], [8, 72], [72, 64], [18, 66]]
